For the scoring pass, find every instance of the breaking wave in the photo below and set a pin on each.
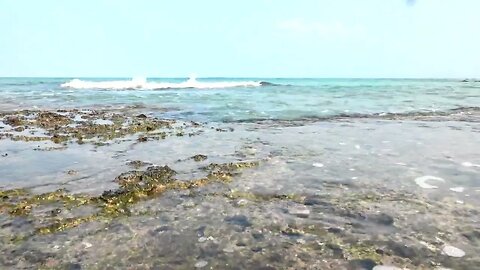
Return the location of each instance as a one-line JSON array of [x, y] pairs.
[[142, 83]]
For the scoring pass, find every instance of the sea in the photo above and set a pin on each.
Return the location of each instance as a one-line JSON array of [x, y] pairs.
[[269, 173], [244, 99]]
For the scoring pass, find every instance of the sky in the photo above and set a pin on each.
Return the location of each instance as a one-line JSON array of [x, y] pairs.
[[248, 38]]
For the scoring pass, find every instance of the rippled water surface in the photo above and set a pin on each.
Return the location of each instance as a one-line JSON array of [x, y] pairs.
[[301, 174]]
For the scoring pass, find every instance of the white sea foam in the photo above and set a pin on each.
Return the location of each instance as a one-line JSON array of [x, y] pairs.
[[142, 83]]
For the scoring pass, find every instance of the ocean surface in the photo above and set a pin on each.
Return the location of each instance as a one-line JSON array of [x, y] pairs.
[[246, 99], [252, 173]]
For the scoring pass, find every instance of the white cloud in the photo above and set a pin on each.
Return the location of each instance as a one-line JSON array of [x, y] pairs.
[[326, 30]]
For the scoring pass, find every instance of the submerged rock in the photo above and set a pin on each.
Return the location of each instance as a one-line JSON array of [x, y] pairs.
[[453, 251], [201, 264], [239, 220], [365, 264], [299, 211]]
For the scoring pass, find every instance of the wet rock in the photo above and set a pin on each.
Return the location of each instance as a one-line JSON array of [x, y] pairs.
[[313, 200], [199, 158], [142, 116], [138, 163], [162, 229], [402, 250], [335, 230], [50, 119], [382, 219], [142, 139], [473, 236], [239, 220], [336, 249], [154, 174], [13, 121], [72, 172]]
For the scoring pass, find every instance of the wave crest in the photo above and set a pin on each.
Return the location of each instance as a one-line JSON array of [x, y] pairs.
[[142, 83]]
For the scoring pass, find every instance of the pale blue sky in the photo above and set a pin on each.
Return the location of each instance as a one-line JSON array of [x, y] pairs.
[[259, 38]]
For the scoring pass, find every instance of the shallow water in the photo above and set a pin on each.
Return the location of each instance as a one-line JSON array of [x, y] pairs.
[[334, 193]]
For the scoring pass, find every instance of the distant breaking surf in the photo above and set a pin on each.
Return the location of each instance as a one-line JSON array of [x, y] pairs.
[[142, 83]]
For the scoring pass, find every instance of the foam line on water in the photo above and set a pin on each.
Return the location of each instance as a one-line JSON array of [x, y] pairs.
[[141, 83]]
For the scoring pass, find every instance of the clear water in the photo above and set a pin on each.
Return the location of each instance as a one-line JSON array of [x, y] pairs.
[[288, 99]]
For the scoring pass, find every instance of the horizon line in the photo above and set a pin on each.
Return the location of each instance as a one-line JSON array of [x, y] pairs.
[[234, 77]]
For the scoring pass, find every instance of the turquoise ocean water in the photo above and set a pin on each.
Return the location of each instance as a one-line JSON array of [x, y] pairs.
[[246, 99]]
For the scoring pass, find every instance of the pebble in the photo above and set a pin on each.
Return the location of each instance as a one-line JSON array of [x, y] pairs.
[[228, 250], [202, 239], [458, 189], [87, 245], [422, 181], [318, 165], [460, 202], [453, 251], [201, 264], [302, 212]]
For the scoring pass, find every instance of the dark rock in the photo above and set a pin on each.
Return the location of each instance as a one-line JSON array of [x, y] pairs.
[[162, 229], [473, 236], [256, 249], [382, 219], [258, 236], [363, 264], [199, 158], [336, 249], [335, 230], [142, 116], [313, 200], [73, 266], [402, 250], [239, 220]]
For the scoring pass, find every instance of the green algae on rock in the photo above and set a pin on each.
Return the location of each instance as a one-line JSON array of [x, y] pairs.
[[134, 186]]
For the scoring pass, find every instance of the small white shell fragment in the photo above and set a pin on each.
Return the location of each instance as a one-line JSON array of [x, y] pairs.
[[201, 264], [422, 181], [457, 189], [453, 251], [386, 267], [318, 165]]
